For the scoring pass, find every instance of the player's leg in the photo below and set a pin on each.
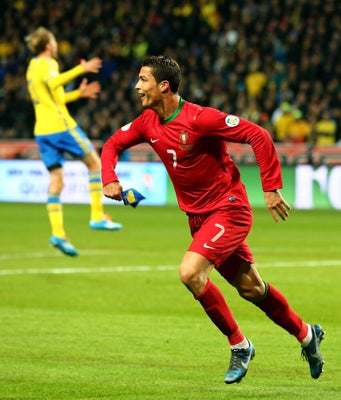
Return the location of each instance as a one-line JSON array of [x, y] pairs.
[[98, 219], [215, 238], [55, 212], [194, 274], [77, 143], [54, 205], [277, 308], [52, 157], [270, 300]]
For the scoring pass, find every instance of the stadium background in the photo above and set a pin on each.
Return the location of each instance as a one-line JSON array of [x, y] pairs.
[[245, 57], [116, 323]]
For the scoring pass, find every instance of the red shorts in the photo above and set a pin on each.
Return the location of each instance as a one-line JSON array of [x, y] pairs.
[[220, 236]]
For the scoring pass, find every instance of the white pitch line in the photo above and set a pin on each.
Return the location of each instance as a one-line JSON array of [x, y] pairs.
[[86, 270], [96, 252], [148, 268], [300, 264]]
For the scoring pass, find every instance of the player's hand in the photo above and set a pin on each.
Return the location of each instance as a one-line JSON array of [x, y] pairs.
[[277, 205], [113, 190], [92, 65], [89, 90]]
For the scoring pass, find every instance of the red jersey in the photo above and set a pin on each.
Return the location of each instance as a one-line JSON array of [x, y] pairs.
[[192, 144]]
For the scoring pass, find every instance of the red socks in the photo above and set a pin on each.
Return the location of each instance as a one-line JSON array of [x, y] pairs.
[[277, 308], [217, 309]]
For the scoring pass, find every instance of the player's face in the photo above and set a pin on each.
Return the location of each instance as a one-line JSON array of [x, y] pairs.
[[53, 46], [148, 89]]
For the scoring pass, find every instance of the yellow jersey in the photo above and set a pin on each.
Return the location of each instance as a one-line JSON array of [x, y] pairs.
[[46, 89]]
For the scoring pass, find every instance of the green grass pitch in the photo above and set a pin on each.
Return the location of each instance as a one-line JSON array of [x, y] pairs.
[[116, 323]]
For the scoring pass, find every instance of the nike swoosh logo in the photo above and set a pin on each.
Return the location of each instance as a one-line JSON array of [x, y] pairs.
[[154, 140], [208, 247], [245, 365]]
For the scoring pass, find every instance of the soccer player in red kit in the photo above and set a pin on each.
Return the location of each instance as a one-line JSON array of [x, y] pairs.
[[191, 142]]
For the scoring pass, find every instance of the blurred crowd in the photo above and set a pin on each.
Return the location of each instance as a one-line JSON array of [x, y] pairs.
[[274, 62]]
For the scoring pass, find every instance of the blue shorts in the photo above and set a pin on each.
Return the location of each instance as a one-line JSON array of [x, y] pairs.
[[53, 147]]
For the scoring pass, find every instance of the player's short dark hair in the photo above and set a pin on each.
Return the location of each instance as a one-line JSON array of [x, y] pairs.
[[164, 68], [38, 40]]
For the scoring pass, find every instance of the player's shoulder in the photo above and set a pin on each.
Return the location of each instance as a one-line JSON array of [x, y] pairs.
[[148, 113], [147, 117], [197, 109], [43, 60], [144, 121], [200, 114], [44, 64]]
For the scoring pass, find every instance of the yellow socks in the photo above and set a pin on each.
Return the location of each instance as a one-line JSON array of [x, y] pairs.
[[96, 192], [55, 214]]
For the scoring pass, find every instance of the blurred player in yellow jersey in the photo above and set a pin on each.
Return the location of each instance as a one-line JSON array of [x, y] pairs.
[[57, 133]]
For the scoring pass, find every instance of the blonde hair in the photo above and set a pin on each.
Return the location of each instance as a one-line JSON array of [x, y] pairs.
[[37, 40]]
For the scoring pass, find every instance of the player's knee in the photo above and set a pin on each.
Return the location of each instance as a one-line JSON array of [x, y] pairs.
[[252, 293], [92, 161], [187, 276], [192, 280]]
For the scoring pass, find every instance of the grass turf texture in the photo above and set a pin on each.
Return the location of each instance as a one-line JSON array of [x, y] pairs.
[[118, 324]]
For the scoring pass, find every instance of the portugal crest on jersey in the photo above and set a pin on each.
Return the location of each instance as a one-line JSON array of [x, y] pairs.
[[183, 137]]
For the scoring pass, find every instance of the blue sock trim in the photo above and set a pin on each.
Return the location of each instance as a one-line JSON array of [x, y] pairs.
[[53, 198]]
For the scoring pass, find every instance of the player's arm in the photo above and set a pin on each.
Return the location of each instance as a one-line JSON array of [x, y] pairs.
[[89, 90], [72, 96], [122, 139], [53, 82], [269, 166], [238, 130], [276, 205], [235, 129], [62, 79], [113, 190], [270, 170]]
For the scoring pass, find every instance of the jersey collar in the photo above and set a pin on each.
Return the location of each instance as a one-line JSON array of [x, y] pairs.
[[175, 113]]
